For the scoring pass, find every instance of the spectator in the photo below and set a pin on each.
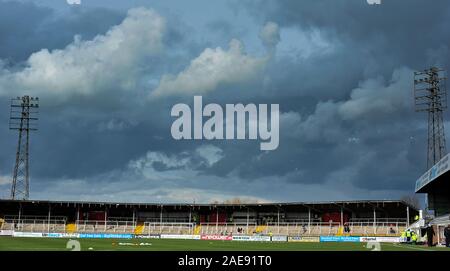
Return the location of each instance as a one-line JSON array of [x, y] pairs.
[[430, 235], [346, 228], [304, 228], [447, 236], [408, 236], [414, 238], [392, 230], [403, 237]]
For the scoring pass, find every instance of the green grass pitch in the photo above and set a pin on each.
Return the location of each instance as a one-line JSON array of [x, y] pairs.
[[60, 244]]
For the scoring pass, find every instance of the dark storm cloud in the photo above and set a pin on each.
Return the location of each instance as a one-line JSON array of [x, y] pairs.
[[109, 125], [386, 37], [401, 32], [63, 127], [347, 118], [26, 28], [224, 29], [346, 135]]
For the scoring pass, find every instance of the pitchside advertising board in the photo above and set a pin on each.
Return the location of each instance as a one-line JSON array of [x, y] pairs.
[[180, 236], [279, 238], [304, 239], [149, 236], [437, 170], [61, 235], [75, 235], [381, 239], [340, 238], [245, 238], [256, 238], [276, 238], [6, 233], [28, 234], [105, 235], [217, 237]]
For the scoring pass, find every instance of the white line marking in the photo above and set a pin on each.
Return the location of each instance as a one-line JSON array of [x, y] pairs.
[[409, 247]]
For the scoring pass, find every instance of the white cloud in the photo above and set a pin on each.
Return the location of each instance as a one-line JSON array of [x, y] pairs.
[[115, 125], [374, 97], [5, 180], [5, 184], [179, 181], [74, 2], [206, 189], [270, 35], [306, 43], [200, 195], [210, 153], [323, 125], [157, 165], [212, 68], [174, 166], [145, 192], [106, 62], [171, 161]]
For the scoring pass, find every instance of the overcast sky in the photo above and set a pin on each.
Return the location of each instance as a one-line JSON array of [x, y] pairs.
[[108, 73]]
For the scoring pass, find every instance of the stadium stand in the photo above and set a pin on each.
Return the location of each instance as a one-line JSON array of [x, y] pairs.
[[358, 218], [435, 183]]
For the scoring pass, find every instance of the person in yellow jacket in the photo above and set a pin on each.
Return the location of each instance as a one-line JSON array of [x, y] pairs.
[[414, 238], [403, 237], [408, 235]]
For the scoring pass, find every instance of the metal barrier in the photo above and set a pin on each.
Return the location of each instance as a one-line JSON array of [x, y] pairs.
[[168, 228], [362, 228]]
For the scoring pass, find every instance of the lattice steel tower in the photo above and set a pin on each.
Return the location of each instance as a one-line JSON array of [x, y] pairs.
[[430, 95], [23, 117]]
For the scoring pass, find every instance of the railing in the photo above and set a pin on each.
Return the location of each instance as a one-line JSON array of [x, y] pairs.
[[32, 221], [165, 219], [385, 228], [39, 217], [105, 226], [285, 228], [168, 227], [115, 218], [228, 228], [300, 220], [34, 225], [392, 220], [312, 228], [327, 228], [152, 219]]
